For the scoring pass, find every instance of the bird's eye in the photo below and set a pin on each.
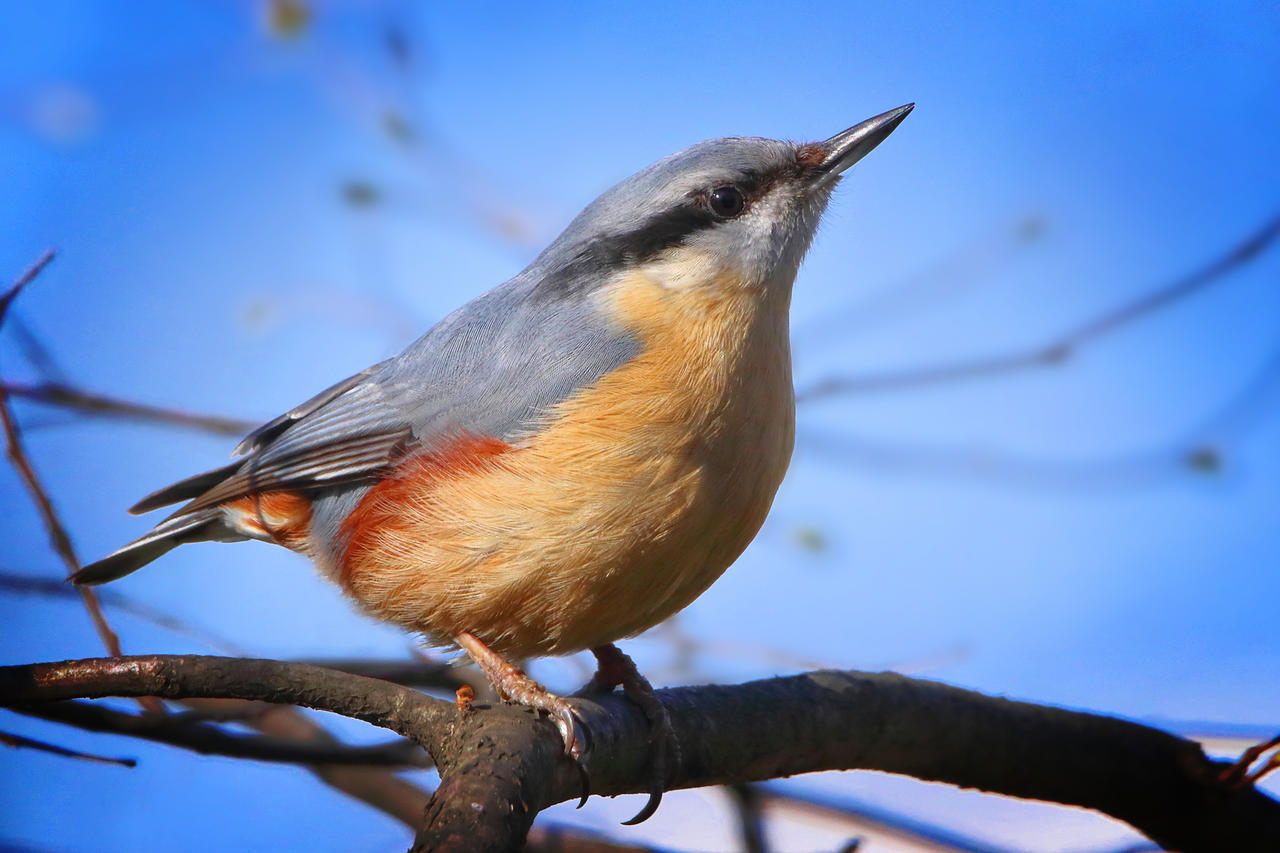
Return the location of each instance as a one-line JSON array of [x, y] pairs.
[[727, 201]]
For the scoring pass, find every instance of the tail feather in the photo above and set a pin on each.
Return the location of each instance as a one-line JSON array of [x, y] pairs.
[[202, 526], [185, 490]]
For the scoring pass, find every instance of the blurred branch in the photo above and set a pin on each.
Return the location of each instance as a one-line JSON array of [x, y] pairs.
[[961, 270], [917, 833], [209, 739], [501, 765], [66, 396], [1066, 346], [58, 537], [747, 806], [1198, 452], [28, 743], [22, 584]]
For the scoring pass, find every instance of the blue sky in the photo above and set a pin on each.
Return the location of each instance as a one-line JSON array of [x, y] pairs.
[[1034, 535]]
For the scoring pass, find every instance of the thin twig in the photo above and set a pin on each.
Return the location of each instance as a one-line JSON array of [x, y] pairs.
[[866, 816], [209, 739], [23, 280], [15, 582], [58, 537], [9, 739], [747, 806], [66, 396], [1064, 347]]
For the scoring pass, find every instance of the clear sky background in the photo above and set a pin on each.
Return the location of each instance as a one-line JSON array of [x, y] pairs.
[[244, 218]]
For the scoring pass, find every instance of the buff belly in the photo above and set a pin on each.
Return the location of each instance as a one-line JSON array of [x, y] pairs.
[[629, 501]]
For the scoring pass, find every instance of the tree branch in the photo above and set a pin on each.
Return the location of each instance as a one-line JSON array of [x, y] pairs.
[[1065, 346], [58, 537], [66, 396], [209, 739], [20, 742], [500, 766]]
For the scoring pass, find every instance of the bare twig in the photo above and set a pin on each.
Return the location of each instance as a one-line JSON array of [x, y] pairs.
[[950, 276], [747, 806], [58, 537], [67, 396], [1239, 774], [14, 582], [9, 739], [868, 817], [1064, 347], [208, 739], [23, 280]]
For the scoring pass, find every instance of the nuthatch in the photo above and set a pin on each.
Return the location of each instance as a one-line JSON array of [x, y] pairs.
[[570, 458]]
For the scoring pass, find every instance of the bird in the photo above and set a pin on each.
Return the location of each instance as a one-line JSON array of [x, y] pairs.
[[570, 458]]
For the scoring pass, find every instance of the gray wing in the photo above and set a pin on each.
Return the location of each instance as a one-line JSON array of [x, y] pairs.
[[490, 369]]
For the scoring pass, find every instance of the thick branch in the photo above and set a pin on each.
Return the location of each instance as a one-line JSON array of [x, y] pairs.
[[500, 766], [1161, 784], [382, 703]]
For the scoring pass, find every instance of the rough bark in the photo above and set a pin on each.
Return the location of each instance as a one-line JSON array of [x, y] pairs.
[[501, 765]]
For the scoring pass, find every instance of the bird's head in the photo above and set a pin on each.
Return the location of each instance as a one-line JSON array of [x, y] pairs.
[[742, 210]]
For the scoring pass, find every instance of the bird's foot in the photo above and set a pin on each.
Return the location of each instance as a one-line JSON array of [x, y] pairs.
[[1240, 774], [513, 685], [615, 668]]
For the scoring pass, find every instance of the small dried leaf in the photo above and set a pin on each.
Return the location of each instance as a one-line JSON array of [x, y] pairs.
[[1205, 460], [361, 194], [288, 19]]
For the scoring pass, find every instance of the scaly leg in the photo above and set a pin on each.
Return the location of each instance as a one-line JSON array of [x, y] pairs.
[[616, 668], [514, 686]]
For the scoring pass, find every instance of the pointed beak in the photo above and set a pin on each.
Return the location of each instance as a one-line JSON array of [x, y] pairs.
[[849, 146]]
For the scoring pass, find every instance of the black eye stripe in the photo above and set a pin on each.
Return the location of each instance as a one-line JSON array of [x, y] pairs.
[[656, 234]]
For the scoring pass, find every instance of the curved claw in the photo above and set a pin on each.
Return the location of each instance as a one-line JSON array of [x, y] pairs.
[[568, 727], [655, 800], [585, 779], [574, 732]]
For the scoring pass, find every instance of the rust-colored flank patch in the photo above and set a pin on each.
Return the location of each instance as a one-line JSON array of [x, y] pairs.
[[284, 516], [381, 507]]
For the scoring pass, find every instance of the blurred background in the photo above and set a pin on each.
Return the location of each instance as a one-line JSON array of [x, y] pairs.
[[1011, 473]]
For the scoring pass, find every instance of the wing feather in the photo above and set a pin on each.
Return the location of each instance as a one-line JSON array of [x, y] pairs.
[[490, 369]]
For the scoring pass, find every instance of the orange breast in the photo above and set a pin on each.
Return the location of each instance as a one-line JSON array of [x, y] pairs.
[[635, 494]]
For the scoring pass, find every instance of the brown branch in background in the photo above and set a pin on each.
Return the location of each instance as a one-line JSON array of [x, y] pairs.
[[28, 743], [747, 808], [23, 584], [58, 537], [501, 765], [952, 275], [66, 396], [1198, 452], [25, 279], [1064, 347], [865, 817], [209, 739]]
